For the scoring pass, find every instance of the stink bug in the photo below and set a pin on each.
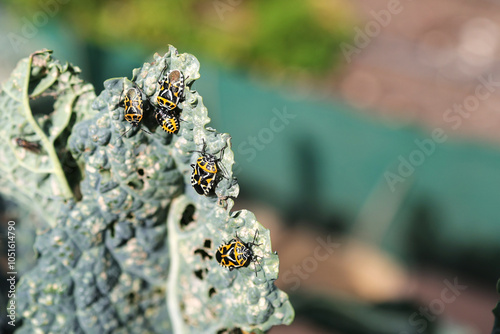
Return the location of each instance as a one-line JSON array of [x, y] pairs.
[[205, 170], [171, 90], [28, 145], [168, 122], [236, 253], [133, 104]]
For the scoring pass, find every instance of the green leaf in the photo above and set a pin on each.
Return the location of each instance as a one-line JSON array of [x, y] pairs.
[[41, 180], [136, 253]]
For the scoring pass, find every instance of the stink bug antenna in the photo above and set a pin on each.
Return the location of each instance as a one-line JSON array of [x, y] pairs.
[[139, 88], [161, 74], [255, 238], [204, 147], [123, 134], [202, 152], [222, 152], [146, 131]]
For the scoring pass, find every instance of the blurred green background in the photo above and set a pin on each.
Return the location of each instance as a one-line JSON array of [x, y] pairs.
[[317, 133]]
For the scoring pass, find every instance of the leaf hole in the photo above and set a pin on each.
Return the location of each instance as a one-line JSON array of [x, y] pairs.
[[207, 243], [112, 229], [43, 104], [204, 255], [130, 216], [187, 215], [140, 171], [136, 184], [199, 273], [211, 292], [232, 331], [132, 298]]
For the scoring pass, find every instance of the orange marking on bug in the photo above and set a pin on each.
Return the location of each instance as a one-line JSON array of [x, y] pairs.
[[205, 168]]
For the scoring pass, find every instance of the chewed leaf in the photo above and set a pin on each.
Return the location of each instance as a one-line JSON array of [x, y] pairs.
[[136, 253], [45, 82], [37, 104], [210, 296]]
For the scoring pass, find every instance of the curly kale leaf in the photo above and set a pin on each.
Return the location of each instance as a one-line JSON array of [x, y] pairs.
[[40, 103], [135, 253]]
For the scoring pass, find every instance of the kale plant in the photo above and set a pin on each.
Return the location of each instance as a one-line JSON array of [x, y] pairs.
[[127, 246]]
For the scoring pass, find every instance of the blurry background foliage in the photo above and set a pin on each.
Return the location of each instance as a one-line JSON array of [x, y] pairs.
[[295, 36]]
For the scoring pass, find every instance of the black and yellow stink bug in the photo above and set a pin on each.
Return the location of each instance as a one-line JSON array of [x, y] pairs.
[[168, 122], [205, 170], [28, 145], [171, 90], [236, 253], [133, 104]]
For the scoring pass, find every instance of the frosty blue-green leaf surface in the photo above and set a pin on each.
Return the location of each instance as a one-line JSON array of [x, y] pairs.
[[40, 180], [134, 251]]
